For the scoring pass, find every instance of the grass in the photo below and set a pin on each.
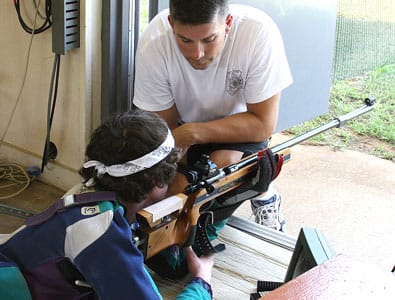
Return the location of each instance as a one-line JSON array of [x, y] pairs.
[[364, 36], [374, 132], [364, 65], [371, 10]]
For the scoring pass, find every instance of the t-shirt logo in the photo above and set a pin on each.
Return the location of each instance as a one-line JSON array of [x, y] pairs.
[[234, 81]]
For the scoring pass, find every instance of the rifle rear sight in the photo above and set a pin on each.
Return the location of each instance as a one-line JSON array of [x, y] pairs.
[[202, 169]]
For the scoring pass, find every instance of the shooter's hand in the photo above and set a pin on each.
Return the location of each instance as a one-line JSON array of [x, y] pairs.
[[269, 166], [199, 266]]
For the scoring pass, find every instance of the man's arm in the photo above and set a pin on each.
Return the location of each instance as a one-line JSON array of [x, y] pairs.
[[255, 125], [170, 116]]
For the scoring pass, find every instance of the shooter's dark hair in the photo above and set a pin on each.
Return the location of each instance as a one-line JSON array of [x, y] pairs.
[[196, 12], [125, 137]]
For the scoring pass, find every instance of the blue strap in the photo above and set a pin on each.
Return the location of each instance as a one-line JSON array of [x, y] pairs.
[[67, 202]]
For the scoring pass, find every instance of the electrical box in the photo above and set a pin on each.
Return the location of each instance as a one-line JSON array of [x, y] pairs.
[[65, 25]]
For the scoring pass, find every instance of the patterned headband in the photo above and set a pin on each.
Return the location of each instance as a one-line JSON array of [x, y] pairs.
[[134, 166]]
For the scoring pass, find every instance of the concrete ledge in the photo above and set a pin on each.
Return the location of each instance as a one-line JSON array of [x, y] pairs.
[[263, 233]]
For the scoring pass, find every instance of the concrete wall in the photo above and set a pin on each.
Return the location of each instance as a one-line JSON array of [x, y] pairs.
[[77, 107]]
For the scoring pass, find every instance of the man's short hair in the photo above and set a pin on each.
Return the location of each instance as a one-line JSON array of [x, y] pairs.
[[195, 12]]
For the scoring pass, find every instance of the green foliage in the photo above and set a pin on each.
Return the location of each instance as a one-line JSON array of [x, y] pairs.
[[347, 95], [364, 37], [144, 5], [364, 65], [379, 123], [368, 10]]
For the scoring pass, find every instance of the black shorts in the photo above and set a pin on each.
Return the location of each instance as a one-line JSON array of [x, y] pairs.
[[195, 152]]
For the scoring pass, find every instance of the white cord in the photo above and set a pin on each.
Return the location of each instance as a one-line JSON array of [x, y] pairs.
[[12, 175], [18, 98]]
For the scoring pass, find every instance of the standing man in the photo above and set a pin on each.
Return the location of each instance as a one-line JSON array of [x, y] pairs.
[[215, 73]]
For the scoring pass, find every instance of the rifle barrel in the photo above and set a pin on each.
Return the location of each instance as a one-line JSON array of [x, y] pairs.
[[336, 122]]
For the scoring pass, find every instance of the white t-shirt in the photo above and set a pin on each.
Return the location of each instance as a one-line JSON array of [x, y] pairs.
[[251, 68]]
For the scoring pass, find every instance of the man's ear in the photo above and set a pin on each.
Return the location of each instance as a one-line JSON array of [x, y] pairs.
[[171, 21], [228, 23]]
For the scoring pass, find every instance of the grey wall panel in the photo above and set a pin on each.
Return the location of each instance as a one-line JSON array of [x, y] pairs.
[[308, 28], [119, 21], [162, 4]]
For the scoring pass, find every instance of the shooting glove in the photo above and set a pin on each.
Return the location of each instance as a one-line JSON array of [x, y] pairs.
[[268, 167]]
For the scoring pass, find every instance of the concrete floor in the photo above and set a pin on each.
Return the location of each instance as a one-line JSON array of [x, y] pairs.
[[37, 197], [348, 196]]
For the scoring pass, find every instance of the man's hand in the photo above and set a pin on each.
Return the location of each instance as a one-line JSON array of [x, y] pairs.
[[269, 166], [199, 266], [185, 136]]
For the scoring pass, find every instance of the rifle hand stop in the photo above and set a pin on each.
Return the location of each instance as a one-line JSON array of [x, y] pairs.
[[268, 168]]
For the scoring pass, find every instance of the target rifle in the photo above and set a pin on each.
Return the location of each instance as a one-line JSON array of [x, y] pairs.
[[175, 220]]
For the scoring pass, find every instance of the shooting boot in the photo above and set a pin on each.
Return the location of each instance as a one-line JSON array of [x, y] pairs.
[[267, 210]]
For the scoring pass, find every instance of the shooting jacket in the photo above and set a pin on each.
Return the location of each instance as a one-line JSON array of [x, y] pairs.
[[91, 243]]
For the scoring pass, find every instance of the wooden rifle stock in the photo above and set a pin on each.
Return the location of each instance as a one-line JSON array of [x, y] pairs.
[[178, 225], [173, 221]]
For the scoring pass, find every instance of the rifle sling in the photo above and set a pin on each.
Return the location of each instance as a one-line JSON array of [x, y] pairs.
[[228, 203], [222, 209], [69, 201]]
